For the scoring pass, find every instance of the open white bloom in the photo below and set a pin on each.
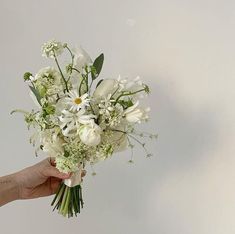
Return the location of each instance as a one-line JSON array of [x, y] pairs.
[[90, 134], [70, 122], [48, 82], [52, 143], [54, 148], [81, 58], [52, 48], [106, 87], [76, 102], [136, 115]]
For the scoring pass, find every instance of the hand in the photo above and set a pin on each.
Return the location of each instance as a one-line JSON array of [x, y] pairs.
[[42, 179]]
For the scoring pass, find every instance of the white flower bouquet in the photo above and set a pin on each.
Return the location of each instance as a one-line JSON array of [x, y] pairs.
[[80, 121]]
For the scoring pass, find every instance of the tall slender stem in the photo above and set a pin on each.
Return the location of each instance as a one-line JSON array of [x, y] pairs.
[[128, 94], [65, 82]]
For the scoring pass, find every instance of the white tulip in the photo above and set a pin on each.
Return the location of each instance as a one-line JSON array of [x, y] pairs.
[[136, 115], [81, 58], [90, 134], [105, 88]]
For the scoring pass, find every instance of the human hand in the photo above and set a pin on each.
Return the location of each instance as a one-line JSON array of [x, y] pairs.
[[40, 180]]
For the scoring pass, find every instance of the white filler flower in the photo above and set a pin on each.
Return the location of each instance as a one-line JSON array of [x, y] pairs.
[[52, 48], [75, 102]]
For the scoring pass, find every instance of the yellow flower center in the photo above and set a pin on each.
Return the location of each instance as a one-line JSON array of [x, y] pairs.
[[78, 101]]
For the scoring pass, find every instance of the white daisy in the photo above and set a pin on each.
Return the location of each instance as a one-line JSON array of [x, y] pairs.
[[76, 102]]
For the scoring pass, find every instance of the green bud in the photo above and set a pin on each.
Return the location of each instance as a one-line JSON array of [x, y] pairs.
[[27, 76]]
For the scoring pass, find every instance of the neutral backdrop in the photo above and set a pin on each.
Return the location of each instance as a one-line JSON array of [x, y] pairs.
[[185, 50]]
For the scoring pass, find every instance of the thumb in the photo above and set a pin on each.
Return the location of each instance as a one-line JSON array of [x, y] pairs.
[[54, 172]]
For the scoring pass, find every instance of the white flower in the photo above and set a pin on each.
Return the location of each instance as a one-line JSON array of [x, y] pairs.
[[90, 134], [52, 48], [106, 87], [105, 106], [81, 58], [48, 82], [136, 115], [52, 144], [70, 122], [75, 102], [122, 83]]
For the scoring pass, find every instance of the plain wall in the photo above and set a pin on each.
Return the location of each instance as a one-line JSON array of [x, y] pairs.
[[185, 50]]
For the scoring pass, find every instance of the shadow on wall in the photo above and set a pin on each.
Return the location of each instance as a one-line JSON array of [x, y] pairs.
[[186, 138]]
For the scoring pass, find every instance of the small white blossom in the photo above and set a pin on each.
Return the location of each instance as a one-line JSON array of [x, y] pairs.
[[52, 48], [106, 106], [66, 164]]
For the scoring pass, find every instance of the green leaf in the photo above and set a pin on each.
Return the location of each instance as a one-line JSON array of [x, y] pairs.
[[27, 76], [98, 63], [36, 93], [99, 83]]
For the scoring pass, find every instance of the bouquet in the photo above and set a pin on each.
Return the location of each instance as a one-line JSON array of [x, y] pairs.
[[81, 120]]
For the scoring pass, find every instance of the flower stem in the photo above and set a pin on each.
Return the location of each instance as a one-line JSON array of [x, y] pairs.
[[128, 94], [65, 82]]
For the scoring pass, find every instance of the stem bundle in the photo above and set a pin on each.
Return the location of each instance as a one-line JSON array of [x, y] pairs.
[[68, 200]]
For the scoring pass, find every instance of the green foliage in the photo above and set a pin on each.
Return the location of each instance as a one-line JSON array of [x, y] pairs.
[[97, 66], [48, 109], [100, 81], [36, 93]]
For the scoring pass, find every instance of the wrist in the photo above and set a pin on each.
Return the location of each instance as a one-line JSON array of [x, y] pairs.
[[9, 189]]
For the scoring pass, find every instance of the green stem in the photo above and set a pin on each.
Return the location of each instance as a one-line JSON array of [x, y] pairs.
[[66, 207], [128, 94], [63, 200], [57, 194], [65, 82], [60, 197], [72, 60], [80, 86], [75, 69], [19, 111]]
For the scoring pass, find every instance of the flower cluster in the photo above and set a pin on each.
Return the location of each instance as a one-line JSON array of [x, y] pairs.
[[81, 120]]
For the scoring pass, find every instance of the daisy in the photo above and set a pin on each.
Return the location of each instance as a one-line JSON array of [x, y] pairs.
[[75, 102]]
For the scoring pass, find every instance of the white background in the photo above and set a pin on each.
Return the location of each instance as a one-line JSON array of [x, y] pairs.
[[185, 50]]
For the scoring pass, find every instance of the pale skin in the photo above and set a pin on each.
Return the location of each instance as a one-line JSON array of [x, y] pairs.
[[39, 180]]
